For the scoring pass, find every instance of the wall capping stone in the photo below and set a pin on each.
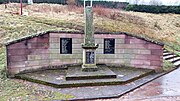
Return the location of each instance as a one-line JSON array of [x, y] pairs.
[[78, 32]]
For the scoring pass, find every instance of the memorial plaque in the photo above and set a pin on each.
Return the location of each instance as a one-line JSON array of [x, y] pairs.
[[66, 45], [90, 57], [109, 46]]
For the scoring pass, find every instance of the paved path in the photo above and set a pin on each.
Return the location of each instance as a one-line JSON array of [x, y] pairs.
[[165, 88]]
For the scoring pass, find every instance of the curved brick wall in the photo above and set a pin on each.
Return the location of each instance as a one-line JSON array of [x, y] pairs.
[[44, 50]]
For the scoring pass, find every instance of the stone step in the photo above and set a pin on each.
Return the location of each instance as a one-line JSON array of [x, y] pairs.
[[166, 54], [165, 51], [174, 59], [169, 57], [77, 74], [177, 64]]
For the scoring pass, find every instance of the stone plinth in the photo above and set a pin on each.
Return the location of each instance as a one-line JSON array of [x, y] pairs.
[[89, 59], [75, 73]]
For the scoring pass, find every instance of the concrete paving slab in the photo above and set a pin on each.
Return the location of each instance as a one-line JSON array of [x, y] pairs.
[[110, 91], [57, 78], [101, 92], [164, 88]]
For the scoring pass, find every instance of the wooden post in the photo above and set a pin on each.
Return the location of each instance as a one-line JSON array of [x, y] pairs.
[[21, 7]]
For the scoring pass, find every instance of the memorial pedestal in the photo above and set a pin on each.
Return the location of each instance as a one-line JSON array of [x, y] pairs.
[[89, 46], [89, 59]]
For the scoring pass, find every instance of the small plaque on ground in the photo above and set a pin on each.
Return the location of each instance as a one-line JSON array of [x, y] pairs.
[[109, 46], [65, 45], [90, 57]]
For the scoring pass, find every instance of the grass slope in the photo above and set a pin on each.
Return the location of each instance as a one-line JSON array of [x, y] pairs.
[[43, 17]]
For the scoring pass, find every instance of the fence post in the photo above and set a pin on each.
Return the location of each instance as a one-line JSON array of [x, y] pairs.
[[21, 7]]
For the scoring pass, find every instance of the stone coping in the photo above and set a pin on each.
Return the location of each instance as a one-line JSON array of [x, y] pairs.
[[78, 32]]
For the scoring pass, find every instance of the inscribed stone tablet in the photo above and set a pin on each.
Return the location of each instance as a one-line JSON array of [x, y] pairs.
[[89, 57], [109, 46], [66, 45]]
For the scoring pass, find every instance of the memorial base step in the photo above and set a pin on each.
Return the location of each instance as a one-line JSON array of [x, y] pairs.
[[76, 73]]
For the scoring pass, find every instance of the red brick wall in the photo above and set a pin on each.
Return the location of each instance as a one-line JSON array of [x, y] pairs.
[[131, 51], [43, 51], [62, 59], [28, 54]]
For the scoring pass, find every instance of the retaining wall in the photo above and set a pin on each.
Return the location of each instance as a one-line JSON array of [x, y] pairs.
[[44, 50]]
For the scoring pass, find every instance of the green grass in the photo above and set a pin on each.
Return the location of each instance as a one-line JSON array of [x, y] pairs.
[[2, 63], [14, 27], [171, 48], [14, 91], [167, 65], [18, 26]]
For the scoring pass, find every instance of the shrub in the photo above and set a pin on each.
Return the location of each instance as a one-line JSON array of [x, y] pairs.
[[167, 65], [71, 2], [3, 74], [2, 1], [154, 8]]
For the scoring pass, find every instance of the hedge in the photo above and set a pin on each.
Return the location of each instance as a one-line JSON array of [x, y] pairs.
[[2, 1], [154, 9]]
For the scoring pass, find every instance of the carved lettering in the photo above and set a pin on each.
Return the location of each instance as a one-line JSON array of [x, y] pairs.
[[66, 45], [90, 57], [109, 46]]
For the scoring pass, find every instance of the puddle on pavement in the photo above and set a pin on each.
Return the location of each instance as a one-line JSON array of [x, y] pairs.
[[167, 85]]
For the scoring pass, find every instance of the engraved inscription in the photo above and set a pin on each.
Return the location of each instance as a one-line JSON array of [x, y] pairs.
[[109, 46], [90, 57], [66, 45]]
